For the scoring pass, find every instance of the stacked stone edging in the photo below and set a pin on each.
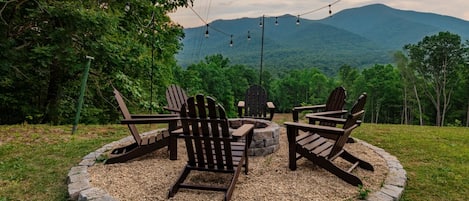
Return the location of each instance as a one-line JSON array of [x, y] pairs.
[[79, 187], [78, 180], [266, 140], [395, 182]]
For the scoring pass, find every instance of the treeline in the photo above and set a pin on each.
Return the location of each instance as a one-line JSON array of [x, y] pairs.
[[134, 43]]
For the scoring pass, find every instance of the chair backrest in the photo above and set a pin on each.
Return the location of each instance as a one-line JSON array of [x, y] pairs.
[[126, 114], [255, 100], [359, 104], [176, 97], [349, 125], [206, 133], [336, 100]]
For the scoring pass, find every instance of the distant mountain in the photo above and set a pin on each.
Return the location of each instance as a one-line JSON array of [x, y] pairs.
[[359, 37]]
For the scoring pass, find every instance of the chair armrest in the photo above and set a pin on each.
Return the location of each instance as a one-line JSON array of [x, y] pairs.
[[171, 109], [313, 117], [241, 105], [309, 107], [270, 105], [149, 120], [334, 113], [143, 116], [297, 110], [243, 130], [314, 128]]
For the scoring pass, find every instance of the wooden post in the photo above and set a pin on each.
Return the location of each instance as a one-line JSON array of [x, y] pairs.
[[82, 93]]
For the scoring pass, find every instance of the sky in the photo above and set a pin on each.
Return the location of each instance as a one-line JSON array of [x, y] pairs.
[[207, 11]]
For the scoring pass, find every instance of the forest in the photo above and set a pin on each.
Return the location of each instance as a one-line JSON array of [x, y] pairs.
[[134, 43]]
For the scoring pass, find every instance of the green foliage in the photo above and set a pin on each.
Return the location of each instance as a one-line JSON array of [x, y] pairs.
[[46, 43], [363, 192], [437, 61]]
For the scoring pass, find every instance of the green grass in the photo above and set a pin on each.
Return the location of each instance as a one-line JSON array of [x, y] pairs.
[[436, 158], [35, 159]]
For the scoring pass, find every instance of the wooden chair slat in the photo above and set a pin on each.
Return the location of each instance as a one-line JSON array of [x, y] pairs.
[[141, 145], [256, 105], [209, 144], [322, 151]]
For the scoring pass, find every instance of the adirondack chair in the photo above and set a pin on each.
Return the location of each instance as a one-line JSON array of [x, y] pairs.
[[357, 106], [143, 144], [210, 146], [335, 102], [175, 96], [323, 151], [255, 104]]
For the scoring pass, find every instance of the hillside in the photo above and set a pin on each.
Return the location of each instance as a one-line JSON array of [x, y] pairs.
[[359, 37]]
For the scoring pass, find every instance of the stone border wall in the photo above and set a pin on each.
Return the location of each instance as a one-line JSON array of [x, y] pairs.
[[396, 180], [79, 187]]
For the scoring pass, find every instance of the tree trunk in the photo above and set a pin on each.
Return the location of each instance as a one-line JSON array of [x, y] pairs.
[[404, 110], [467, 115], [419, 105], [51, 114]]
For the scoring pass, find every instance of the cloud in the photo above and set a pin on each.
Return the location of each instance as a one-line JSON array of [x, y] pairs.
[[233, 9]]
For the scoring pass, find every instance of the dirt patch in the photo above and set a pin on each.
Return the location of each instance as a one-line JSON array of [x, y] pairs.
[[269, 178]]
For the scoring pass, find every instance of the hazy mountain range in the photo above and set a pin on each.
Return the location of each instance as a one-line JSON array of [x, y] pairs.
[[359, 37]]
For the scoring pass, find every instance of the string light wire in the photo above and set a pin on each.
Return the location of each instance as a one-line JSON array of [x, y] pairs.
[[205, 21]]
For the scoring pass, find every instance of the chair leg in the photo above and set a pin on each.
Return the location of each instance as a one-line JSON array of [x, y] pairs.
[[332, 168], [353, 159], [172, 147], [234, 179], [292, 132], [174, 189]]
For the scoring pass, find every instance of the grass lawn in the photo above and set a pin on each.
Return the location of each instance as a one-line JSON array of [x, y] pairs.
[[35, 159]]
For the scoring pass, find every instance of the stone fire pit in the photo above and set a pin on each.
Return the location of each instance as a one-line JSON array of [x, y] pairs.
[[266, 135]]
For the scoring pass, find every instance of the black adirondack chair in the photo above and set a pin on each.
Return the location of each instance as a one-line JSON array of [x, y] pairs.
[[142, 144], [323, 151], [255, 104], [335, 102], [176, 97], [210, 146]]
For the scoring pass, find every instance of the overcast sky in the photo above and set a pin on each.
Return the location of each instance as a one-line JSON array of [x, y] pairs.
[[210, 10]]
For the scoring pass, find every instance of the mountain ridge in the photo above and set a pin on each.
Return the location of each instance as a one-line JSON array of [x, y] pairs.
[[359, 37]]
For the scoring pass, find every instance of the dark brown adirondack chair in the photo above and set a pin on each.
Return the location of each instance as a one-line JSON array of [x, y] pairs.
[[142, 145], [323, 151], [357, 106], [335, 102], [210, 146], [255, 104], [175, 96]]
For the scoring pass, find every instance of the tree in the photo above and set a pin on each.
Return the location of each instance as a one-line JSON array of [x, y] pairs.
[[301, 87], [347, 76], [382, 83], [437, 60], [45, 44], [409, 83]]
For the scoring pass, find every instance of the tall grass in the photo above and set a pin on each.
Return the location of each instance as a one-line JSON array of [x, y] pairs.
[[35, 159]]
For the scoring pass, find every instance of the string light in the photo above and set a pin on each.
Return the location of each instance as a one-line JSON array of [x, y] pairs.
[[127, 7]]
